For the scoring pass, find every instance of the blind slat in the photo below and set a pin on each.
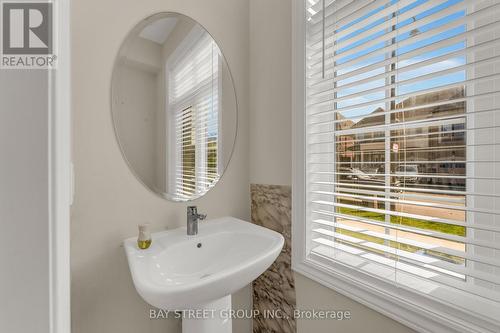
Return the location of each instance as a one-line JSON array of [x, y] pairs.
[[418, 272]]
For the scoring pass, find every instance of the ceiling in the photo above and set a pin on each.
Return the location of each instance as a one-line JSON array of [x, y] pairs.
[[158, 31]]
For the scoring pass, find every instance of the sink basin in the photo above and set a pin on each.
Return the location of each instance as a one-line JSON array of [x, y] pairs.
[[180, 272]]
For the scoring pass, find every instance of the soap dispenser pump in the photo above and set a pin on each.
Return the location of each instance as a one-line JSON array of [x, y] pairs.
[[144, 239]]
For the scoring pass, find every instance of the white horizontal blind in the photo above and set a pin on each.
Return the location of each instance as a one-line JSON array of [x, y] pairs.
[[403, 144], [194, 101]]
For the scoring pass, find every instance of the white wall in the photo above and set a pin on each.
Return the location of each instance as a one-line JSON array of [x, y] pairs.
[[109, 201], [311, 295], [270, 87], [270, 154], [24, 255]]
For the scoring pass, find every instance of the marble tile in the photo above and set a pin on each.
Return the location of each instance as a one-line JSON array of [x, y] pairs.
[[274, 290]]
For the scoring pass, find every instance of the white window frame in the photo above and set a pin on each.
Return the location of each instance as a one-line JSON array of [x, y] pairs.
[[403, 305]]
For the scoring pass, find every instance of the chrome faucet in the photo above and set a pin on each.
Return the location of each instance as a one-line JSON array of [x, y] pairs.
[[192, 220]]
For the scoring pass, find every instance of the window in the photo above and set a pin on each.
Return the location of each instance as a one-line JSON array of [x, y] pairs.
[[193, 113], [187, 137], [397, 156]]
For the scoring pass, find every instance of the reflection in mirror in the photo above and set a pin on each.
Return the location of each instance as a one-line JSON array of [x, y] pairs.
[[174, 106]]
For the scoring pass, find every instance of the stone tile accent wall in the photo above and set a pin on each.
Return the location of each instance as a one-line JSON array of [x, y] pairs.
[[274, 290]]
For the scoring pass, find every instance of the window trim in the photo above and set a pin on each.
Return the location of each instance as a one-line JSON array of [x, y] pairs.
[[407, 307]]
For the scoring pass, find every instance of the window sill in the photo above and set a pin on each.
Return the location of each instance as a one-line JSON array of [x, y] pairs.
[[415, 311]]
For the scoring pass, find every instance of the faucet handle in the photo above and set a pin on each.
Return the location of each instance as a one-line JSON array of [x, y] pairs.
[[202, 216], [192, 210]]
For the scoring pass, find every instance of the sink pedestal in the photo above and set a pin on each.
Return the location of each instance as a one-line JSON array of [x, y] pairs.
[[213, 317]]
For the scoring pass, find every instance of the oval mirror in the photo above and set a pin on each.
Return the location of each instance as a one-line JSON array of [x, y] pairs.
[[174, 106]]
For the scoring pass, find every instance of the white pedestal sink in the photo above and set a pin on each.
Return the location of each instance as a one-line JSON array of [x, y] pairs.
[[198, 274]]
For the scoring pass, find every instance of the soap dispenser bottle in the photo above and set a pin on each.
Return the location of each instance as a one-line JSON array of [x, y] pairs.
[[144, 239]]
